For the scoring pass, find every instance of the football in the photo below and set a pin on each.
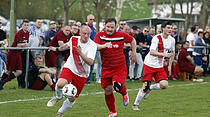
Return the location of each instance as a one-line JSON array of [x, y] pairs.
[[69, 91]]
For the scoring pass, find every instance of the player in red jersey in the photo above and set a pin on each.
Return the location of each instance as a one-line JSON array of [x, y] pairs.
[[113, 73], [14, 62]]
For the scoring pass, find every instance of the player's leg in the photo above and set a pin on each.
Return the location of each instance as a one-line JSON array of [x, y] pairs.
[[144, 90], [147, 78], [198, 70], [118, 80], [106, 84], [47, 77], [79, 83]]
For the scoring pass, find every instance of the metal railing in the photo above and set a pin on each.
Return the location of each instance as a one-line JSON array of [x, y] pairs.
[[27, 57], [46, 48]]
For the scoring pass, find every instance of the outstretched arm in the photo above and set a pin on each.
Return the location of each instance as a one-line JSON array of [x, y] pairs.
[[133, 47], [102, 46], [61, 48]]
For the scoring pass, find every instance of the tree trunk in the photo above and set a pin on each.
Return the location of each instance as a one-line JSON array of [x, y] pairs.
[[119, 10], [203, 14], [83, 11], [173, 8], [66, 12]]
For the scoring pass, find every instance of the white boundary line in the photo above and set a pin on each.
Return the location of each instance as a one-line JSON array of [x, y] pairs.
[[24, 100]]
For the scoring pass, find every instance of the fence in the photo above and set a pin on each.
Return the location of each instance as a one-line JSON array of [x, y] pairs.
[[46, 48]]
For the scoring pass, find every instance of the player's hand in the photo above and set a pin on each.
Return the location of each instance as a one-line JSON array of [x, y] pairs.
[[108, 45], [52, 48], [168, 55], [133, 58], [79, 49]]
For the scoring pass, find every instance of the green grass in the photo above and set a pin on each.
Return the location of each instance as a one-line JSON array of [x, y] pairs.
[[179, 100]]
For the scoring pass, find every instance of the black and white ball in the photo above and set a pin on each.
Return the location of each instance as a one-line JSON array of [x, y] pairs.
[[69, 91]]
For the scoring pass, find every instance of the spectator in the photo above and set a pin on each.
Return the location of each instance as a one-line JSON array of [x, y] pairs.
[[91, 19], [142, 36], [40, 76], [191, 39], [185, 60], [4, 43], [150, 35], [206, 28], [58, 40], [51, 32], [138, 63], [199, 52], [14, 63], [196, 34], [174, 31], [121, 25], [38, 33]]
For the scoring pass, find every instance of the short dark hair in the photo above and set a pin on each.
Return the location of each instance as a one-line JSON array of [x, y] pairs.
[[165, 23], [193, 28], [134, 27], [111, 20], [82, 24], [200, 32], [185, 42], [177, 43], [25, 21]]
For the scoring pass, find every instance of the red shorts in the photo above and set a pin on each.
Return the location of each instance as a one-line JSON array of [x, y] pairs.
[[157, 73], [39, 84], [110, 75], [188, 69], [14, 61], [74, 79], [50, 58]]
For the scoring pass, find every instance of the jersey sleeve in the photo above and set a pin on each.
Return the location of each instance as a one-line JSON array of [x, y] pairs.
[[60, 37], [92, 51], [128, 38], [154, 44], [97, 38]]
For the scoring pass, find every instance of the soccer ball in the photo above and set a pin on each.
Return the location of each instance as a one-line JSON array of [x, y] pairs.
[[69, 91]]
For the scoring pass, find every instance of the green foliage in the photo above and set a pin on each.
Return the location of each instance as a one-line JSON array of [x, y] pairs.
[[181, 99]]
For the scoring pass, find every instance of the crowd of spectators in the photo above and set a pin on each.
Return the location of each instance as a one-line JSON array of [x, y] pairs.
[[58, 36]]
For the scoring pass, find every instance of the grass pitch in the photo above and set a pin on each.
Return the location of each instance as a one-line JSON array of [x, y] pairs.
[[181, 99]]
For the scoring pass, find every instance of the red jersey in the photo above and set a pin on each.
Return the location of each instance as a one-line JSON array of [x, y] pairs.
[[182, 60], [113, 57], [60, 36], [20, 37]]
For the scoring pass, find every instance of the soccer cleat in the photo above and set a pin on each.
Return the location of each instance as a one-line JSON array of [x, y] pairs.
[[135, 108], [111, 114], [59, 114], [53, 101], [125, 100]]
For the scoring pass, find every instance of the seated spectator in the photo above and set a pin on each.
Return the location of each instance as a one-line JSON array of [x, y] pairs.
[[199, 52], [39, 76], [185, 60]]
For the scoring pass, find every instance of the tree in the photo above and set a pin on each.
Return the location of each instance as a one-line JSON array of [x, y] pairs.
[[66, 5], [204, 13], [119, 10]]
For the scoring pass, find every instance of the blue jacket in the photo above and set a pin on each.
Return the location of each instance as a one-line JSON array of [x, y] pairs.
[[199, 42], [93, 32]]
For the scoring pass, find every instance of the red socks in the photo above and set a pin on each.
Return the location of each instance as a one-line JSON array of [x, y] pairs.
[[110, 100], [123, 91]]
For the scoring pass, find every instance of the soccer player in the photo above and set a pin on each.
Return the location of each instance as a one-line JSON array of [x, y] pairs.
[[163, 45], [77, 67], [14, 62], [113, 73]]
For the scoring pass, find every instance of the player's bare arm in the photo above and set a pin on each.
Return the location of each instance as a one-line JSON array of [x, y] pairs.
[[47, 70], [189, 58], [61, 48], [22, 44], [87, 60], [159, 54], [133, 47], [171, 61], [102, 46], [60, 43]]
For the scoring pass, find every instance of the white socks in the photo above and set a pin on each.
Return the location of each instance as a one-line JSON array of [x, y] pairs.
[[139, 96], [155, 86], [66, 105], [58, 92]]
